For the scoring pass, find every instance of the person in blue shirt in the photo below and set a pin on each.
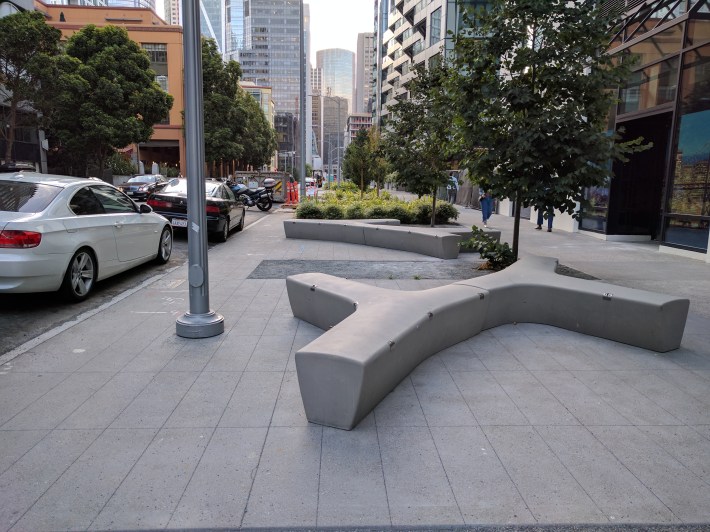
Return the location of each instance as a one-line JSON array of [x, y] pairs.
[[486, 206]]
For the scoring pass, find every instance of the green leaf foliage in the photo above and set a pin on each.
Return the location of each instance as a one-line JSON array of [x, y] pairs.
[[417, 139], [28, 51], [363, 161], [109, 97], [498, 255], [234, 124], [531, 93]]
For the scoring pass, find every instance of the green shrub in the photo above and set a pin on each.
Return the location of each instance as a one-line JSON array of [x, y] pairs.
[[378, 211], [421, 212], [354, 211], [400, 212], [445, 212], [333, 211], [498, 255], [309, 210], [119, 165]]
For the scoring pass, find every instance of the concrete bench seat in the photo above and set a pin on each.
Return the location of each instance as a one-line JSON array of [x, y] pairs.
[[375, 337], [433, 242]]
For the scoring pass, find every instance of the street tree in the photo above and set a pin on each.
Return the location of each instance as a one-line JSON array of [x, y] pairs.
[[112, 99], [357, 162], [417, 140], [236, 128], [531, 90], [258, 137], [220, 86], [28, 49]]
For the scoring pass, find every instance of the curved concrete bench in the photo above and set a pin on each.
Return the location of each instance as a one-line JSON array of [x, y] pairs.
[[385, 233], [375, 337]]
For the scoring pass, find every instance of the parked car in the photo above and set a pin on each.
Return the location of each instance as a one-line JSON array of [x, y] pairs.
[[139, 187], [67, 233], [224, 211]]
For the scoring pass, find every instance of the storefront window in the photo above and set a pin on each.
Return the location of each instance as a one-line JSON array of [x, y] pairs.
[[689, 205], [596, 208], [649, 87]]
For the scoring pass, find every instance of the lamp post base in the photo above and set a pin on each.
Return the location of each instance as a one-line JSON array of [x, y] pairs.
[[199, 325]]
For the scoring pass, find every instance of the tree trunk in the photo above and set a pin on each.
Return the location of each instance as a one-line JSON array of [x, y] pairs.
[[10, 140], [433, 207], [516, 225], [362, 183]]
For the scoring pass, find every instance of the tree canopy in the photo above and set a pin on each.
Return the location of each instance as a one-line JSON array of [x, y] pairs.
[[363, 161], [28, 47], [235, 126], [111, 98], [417, 138], [530, 86]]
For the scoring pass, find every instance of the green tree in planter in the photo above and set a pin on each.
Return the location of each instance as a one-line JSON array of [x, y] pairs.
[[417, 139], [531, 93], [28, 49], [112, 100], [357, 161]]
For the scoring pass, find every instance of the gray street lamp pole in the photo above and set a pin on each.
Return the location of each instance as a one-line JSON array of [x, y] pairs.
[[302, 100], [199, 321]]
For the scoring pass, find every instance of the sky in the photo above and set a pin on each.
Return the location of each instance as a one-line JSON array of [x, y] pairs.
[[334, 23]]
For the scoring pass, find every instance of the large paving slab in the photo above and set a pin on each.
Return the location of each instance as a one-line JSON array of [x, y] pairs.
[[130, 427]]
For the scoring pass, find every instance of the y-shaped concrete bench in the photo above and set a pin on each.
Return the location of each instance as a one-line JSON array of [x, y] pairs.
[[385, 233], [375, 337]]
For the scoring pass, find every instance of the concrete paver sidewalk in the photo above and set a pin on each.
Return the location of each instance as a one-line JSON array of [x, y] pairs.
[[117, 423]]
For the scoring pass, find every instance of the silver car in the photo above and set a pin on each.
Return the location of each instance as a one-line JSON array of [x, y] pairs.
[[67, 233]]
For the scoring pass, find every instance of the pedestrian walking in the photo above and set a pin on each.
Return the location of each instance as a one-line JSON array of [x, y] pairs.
[[540, 216], [452, 189], [486, 201]]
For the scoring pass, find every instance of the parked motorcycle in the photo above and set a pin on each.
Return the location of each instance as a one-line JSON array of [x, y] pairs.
[[262, 197]]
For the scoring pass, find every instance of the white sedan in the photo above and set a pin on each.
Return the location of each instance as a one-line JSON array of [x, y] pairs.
[[67, 233]]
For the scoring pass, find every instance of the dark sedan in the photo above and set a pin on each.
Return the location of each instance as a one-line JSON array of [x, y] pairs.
[[224, 211], [141, 186]]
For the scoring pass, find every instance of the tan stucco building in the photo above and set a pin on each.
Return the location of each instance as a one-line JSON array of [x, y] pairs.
[[164, 46]]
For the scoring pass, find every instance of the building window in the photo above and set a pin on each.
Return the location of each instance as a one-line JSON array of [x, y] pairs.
[[649, 87], [435, 27], [158, 53], [689, 206]]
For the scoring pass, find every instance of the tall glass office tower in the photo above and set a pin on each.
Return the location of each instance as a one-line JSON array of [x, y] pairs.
[[234, 34], [212, 21], [150, 4], [271, 49], [338, 72]]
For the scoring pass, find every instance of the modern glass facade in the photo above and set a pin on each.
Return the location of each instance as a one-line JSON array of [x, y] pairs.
[[271, 49], [663, 192], [234, 12], [338, 67], [212, 22]]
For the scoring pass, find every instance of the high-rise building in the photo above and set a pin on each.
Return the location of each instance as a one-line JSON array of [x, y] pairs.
[[270, 55], [409, 34], [316, 80], [234, 32], [172, 12], [212, 22], [364, 65], [150, 4], [338, 67]]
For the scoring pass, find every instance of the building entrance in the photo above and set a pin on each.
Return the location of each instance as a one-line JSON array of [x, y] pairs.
[[636, 192]]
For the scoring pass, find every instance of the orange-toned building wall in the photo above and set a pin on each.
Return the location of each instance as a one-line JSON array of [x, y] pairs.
[[144, 27]]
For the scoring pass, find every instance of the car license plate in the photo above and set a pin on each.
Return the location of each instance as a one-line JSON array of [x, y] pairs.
[[178, 222]]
